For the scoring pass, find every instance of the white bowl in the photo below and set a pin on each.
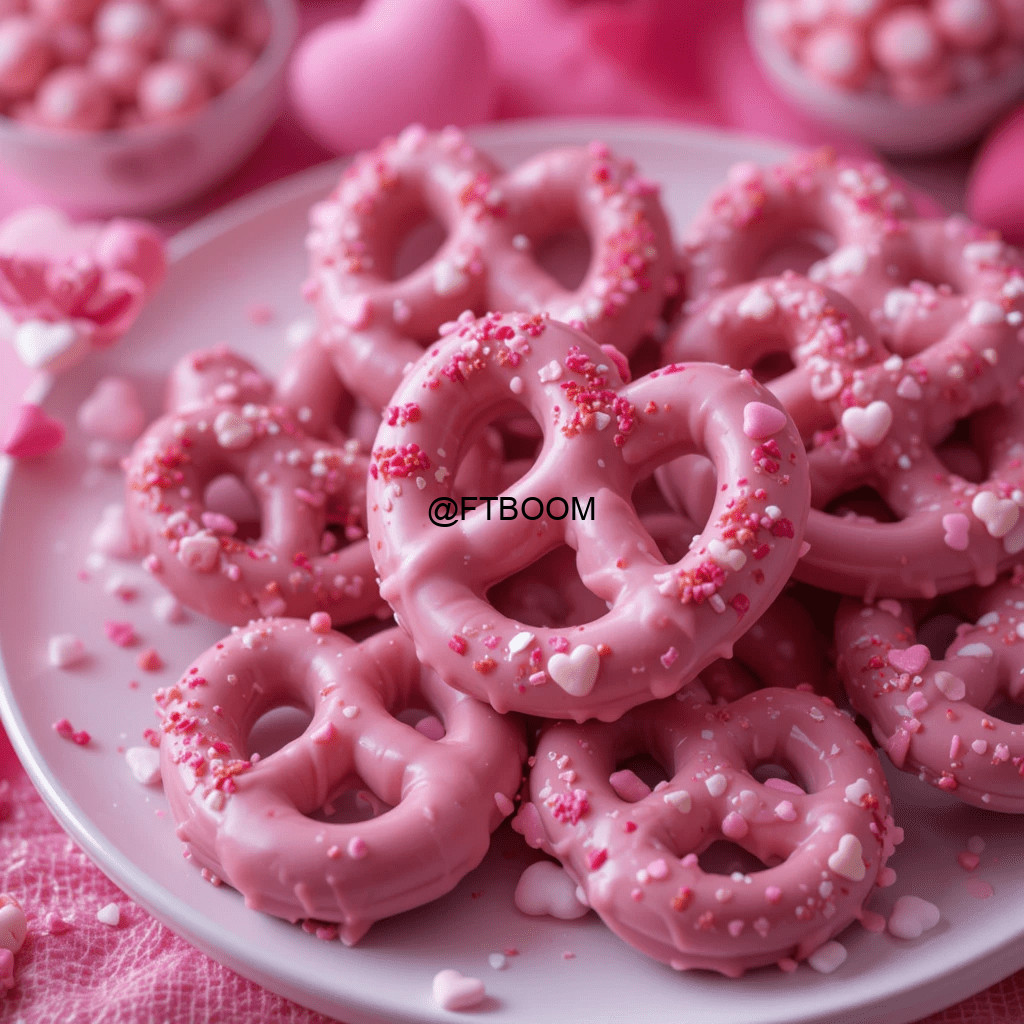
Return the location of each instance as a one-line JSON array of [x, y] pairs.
[[894, 127], [153, 167]]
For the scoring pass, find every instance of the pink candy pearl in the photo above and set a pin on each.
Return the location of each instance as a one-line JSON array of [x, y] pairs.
[[968, 24], [207, 12], [72, 43], [195, 43], [58, 11], [906, 42], [130, 23], [74, 99], [25, 57], [171, 89], [837, 56], [120, 68]]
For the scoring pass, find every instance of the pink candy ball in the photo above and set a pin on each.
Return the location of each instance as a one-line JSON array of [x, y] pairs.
[[967, 24], [214, 13], [195, 43], [58, 11], [130, 23], [906, 42], [170, 90], [25, 57], [120, 68], [74, 99], [837, 56]]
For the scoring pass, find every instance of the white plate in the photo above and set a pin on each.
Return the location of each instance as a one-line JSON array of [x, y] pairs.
[[252, 253]]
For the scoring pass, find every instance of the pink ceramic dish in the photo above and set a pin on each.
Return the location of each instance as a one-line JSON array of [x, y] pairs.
[[153, 167], [899, 129]]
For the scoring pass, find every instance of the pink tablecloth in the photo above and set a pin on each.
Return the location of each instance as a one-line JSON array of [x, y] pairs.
[[73, 968]]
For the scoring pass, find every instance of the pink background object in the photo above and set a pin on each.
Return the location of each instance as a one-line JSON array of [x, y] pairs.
[[601, 57]]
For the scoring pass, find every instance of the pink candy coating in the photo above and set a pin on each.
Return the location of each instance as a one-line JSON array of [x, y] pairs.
[[74, 99], [170, 90]]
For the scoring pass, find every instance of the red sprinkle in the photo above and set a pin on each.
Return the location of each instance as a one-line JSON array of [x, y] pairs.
[[121, 633]]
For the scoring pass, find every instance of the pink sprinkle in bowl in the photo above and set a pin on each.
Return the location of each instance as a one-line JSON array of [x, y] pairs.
[[889, 125], [152, 167]]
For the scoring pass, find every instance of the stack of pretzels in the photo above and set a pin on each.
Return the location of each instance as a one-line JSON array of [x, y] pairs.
[[829, 404]]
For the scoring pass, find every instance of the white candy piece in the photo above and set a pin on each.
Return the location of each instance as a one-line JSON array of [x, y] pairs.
[[545, 889], [144, 764], [65, 650], [109, 915], [13, 926], [912, 916]]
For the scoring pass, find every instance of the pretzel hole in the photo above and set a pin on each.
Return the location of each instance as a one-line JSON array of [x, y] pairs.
[[277, 728], [1006, 710], [777, 777], [863, 503], [419, 244], [959, 453], [723, 857], [772, 365], [565, 255], [424, 722], [938, 631], [798, 252], [636, 776], [688, 485], [352, 803], [227, 495], [548, 593]]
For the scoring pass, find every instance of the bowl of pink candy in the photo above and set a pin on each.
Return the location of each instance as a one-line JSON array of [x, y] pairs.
[[905, 76], [132, 106]]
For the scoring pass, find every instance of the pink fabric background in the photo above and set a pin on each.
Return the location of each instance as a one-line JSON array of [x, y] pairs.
[[605, 57]]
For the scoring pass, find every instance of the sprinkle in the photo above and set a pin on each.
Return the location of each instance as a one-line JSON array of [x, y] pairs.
[[320, 623], [912, 916], [109, 915], [144, 764], [149, 661], [454, 991], [680, 800], [65, 650], [498, 961], [848, 859], [716, 784], [357, 848], [734, 826], [828, 957]]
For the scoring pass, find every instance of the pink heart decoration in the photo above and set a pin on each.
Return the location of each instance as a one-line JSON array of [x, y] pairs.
[[912, 659], [394, 62], [957, 527], [33, 433]]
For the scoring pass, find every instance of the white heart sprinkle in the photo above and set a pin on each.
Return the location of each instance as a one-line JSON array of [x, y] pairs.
[[725, 556], [868, 426], [575, 673], [679, 799], [848, 859], [998, 514], [42, 345], [109, 915], [144, 764], [455, 991], [716, 784], [912, 916], [544, 889]]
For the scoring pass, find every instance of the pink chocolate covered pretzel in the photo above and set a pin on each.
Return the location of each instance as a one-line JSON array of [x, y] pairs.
[[264, 825], [939, 717], [665, 621], [494, 223], [822, 835], [758, 221], [878, 419], [310, 495]]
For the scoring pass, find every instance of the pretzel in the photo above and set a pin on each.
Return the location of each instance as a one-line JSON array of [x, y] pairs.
[[494, 222], [846, 209], [253, 823], [874, 418], [304, 487], [601, 437], [938, 716], [824, 836]]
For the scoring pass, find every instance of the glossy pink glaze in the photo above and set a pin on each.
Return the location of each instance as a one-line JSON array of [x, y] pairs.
[[876, 414], [823, 837], [937, 717], [310, 494], [601, 438], [255, 824], [494, 222]]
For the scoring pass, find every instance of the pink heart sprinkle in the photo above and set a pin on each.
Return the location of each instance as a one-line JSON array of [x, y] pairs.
[[761, 421], [912, 659], [957, 527], [34, 433]]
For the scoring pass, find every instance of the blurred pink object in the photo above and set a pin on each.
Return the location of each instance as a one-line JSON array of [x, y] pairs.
[[66, 288], [994, 195], [367, 75]]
